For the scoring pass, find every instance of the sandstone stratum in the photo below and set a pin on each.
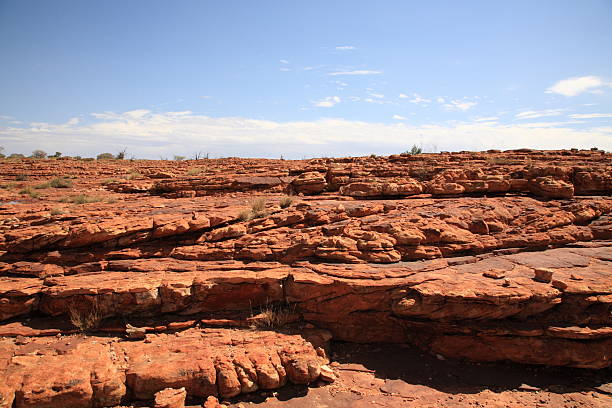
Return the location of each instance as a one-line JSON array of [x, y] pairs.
[[165, 283]]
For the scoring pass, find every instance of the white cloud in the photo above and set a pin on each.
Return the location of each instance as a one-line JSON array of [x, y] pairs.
[[72, 121], [487, 119], [345, 47], [151, 134], [403, 96], [379, 96], [284, 61], [399, 117], [356, 72], [418, 99], [577, 85], [440, 100], [328, 102], [206, 97], [284, 69], [539, 114], [590, 115], [459, 105]]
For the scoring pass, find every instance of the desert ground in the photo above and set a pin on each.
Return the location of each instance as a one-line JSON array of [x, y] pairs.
[[416, 280]]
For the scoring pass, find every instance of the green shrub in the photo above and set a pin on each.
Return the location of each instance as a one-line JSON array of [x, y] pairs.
[[39, 154], [105, 156], [414, 150]]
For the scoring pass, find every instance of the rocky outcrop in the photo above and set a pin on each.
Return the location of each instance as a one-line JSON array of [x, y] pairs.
[[101, 372], [500, 256]]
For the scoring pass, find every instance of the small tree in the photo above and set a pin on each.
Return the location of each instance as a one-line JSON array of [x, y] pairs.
[[121, 155], [414, 150], [39, 154], [105, 156], [57, 154], [16, 156]]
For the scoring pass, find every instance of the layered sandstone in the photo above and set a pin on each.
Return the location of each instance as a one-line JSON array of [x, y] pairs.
[[495, 256]]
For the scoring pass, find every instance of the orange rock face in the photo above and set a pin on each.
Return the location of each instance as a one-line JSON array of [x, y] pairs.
[[225, 285]]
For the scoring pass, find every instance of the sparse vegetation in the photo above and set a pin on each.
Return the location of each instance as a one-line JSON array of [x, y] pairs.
[[258, 210], [121, 155], [8, 186], [21, 177], [39, 154], [200, 155], [105, 156], [414, 150], [108, 181], [286, 202], [57, 211], [57, 182], [133, 175], [194, 172], [85, 320], [57, 155], [16, 156], [81, 199], [30, 192], [179, 158], [273, 317]]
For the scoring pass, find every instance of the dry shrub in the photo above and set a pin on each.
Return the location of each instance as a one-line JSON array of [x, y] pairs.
[[85, 320], [286, 202], [81, 199], [258, 210], [272, 317], [194, 172], [57, 211]]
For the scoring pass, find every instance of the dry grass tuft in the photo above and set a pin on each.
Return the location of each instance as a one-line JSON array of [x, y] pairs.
[[57, 211], [57, 182], [81, 199], [286, 202], [85, 320], [194, 172], [258, 210], [273, 317], [30, 192]]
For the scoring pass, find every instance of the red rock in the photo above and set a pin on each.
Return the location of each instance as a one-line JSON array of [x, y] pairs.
[[211, 402], [549, 187], [170, 398], [309, 183], [406, 248], [542, 275]]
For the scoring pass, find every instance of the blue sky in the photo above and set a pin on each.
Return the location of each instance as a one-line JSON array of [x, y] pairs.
[[316, 78]]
